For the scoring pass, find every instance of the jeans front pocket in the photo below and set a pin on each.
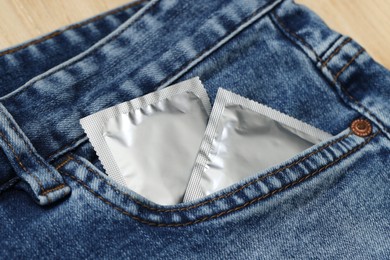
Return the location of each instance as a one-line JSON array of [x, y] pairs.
[[322, 158]]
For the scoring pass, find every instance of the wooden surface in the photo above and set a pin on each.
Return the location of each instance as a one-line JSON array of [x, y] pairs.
[[367, 21]]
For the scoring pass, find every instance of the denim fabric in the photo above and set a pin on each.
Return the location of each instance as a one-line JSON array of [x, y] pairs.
[[21, 63], [330, 201]]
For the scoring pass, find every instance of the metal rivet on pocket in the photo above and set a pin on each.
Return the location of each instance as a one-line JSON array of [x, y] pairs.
[[361, 127]]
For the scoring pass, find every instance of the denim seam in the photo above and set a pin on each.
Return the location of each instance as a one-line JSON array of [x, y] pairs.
[[336, 51], [282, 27], [179, 70], [334, 44], [303, 41], [260, 178], [83, 55], [53, 189], [52, 175], [42, 190], [20, 162], [71, 27], [64, 162], [225, 212], [335, 77]]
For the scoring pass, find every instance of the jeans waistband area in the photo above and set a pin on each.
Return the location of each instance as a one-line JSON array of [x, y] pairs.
[[23, 62], [45, 182], [360, 82], [27, 60], [155, 47], [150, 50]]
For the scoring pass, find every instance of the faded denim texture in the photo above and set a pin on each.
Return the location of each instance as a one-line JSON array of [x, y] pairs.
[[330, 201]]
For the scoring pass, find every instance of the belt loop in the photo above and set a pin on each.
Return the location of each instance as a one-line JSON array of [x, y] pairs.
[[46, 184]]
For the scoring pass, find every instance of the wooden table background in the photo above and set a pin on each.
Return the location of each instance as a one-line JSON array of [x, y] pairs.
[[367, 21]]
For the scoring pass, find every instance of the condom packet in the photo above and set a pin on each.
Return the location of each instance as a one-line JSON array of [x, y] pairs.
[[243, 138], [150, 143]]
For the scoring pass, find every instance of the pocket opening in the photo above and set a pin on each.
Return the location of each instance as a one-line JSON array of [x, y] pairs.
[[324, 155]]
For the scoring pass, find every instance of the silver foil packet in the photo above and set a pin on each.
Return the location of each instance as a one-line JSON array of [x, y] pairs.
[[149, 144], [243, 138]]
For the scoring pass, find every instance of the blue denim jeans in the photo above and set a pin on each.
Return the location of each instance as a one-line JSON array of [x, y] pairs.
[[330, 201]]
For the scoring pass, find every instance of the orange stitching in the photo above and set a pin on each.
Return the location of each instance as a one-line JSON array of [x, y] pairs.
[[230, 210], [347, 65], [20, 162], [33, 156], [103, 199], [280, 22], [42, 191], [277, 18], [30, 150], [75, 26], [343, 89], [216, 198], [53, 189], [167, 77], [336, 51], [63, 163]]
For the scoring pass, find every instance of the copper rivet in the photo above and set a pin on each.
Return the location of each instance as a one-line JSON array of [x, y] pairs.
[[361, 127]]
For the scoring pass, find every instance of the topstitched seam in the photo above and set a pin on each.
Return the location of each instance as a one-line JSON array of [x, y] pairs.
[[343, 89], [32, 154], [332, 44], [71, 27], [152, 223], [167, 78], [53, 189], [57, 69], [160, 210], [64, 162], [260, 178], [20, 162], [335, 77], [336, 51]]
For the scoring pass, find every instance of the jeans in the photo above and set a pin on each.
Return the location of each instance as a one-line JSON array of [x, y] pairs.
[[330, 201]]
